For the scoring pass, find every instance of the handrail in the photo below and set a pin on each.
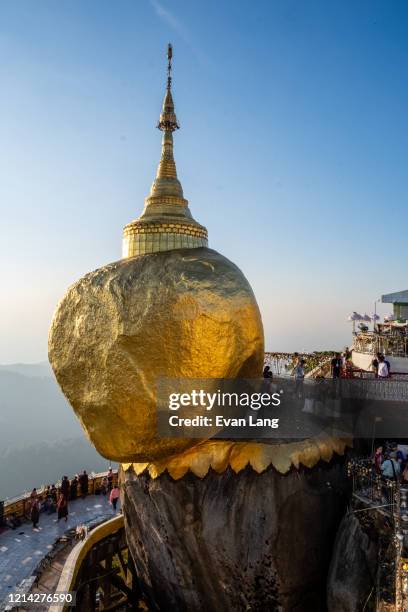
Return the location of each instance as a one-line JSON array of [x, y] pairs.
[[17, 504], [72, 565]]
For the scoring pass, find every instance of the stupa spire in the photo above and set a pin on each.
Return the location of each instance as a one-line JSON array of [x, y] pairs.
[[166, 181], [168, 120], [166, 222]]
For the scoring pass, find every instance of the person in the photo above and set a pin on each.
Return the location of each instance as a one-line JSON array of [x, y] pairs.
[[33, 494], [374, 365], [62, 507], [74, 487], [335, 366], [267, 373], [114, 496], [104, 485], [65, 487], [387, 363], [13, 521], [83, 484], [299, 374], [46, 505], [35, 512], [51, 505], [347, 355], [382, 371], [378, 458], [390, 467], [54, 493], [110, 478], [400, 456]]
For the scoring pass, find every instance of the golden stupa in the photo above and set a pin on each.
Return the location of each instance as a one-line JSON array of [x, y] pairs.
[[166, 222], [170, 308]]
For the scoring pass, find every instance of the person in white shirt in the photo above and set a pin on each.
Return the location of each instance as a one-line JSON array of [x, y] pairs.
[[382, 368]]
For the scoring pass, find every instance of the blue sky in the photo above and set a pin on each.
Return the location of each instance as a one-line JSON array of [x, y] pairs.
[[292, 150]]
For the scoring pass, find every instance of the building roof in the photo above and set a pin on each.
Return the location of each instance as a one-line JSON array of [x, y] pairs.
[[399, 297]]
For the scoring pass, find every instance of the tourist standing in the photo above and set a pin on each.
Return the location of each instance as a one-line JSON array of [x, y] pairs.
[[74, 488], [390, 467], [110, 479], [114, 496], [65, 487], [104, 485], [35, 512], [374, 365], [378, 459], [382, 371], [83, 484], [299, 374], [54, 493], [62, 507], [336, 365]]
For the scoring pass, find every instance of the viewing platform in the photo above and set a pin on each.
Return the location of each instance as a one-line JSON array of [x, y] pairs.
[[29, 557]]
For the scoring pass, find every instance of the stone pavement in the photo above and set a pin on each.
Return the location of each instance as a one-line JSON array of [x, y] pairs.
[[23, 548]]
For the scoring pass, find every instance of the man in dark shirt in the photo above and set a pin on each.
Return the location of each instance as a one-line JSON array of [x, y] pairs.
[[336, 366], [375, 363]]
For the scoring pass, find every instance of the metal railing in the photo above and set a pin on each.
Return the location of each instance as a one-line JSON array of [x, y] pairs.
[[382, 493]]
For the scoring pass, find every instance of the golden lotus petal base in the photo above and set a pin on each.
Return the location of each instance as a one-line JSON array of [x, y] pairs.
[[219, 454]]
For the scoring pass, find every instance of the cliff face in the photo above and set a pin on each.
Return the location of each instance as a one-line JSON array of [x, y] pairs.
[[353, 567], [362, 569], [235, 541]]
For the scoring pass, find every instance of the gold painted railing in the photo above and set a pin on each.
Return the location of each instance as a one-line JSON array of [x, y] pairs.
[[68, 581]]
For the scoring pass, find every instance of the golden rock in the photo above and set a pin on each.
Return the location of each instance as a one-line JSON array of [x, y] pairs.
[[185, 313]]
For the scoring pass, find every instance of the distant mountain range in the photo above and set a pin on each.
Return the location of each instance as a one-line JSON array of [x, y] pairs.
[[32, 370], [40, 437]]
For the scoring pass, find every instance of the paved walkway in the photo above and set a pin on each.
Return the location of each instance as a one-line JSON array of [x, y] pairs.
[[22, 549]]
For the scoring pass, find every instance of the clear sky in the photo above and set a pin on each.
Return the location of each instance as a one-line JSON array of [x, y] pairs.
[[293, 150]]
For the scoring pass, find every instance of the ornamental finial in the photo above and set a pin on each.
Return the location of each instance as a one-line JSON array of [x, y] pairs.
[[169, 58], [168, 119]]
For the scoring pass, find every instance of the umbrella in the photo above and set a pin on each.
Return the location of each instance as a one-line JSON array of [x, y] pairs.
[[354, 316], [374, 316]]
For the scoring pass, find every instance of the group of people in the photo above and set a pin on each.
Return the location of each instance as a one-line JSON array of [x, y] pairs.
[[53, 499], [390, 462], [341, 365], [381, 366]]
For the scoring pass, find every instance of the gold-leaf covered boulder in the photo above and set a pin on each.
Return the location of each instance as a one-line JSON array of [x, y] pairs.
[[181, 313]]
